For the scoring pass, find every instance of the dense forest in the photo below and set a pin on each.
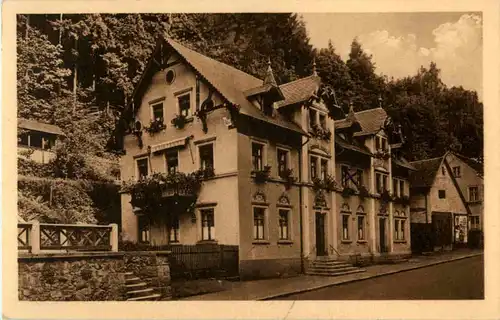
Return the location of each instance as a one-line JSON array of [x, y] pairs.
[[77, 71]]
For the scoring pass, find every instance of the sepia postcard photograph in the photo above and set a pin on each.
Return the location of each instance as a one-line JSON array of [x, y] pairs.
[[179, 162]]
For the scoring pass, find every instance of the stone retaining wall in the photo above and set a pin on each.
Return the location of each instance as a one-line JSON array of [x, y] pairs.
[[153, 268], [89, 276]]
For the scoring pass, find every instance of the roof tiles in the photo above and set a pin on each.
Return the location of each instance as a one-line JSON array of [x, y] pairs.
[[232, 84], [39, 126], [425, 172], [371, 121], [299, 90]]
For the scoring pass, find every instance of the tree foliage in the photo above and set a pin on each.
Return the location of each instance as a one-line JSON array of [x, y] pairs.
[[78, 71]]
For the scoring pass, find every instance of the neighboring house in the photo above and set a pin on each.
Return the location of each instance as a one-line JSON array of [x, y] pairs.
[[469, 176], [439, 211], [36, 139], [210, 115]]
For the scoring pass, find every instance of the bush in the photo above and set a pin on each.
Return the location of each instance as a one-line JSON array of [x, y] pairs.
[[68, 201], [29, 167]]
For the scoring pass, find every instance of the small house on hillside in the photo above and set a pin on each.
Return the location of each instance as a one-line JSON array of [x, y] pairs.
[[439, 210], [37, 139]]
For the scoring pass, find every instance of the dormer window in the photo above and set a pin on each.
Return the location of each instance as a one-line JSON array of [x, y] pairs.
[[322, 121], [380, 143], [268, 108]]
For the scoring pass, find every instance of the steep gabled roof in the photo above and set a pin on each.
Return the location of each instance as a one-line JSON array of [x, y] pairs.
[[478, 167], [425, 173], [402, 162], [39, 126], [354, 145], [299, 90], [371, 121], [231, 83]]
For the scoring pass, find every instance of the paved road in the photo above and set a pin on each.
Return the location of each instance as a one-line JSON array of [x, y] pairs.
[[462, 279]]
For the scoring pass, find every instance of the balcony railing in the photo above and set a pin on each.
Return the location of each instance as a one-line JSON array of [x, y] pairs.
[[36, 237]]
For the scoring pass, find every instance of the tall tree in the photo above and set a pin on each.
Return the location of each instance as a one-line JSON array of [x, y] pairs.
[[368, 86], [334, 72], [41, 76]]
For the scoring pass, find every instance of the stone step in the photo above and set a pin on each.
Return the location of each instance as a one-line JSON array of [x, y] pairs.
[[140, 291], [327, 258], [341, 264], [133, 280], [136, 285], [150, 297], [335, 274], [329, 261], [315, 269]]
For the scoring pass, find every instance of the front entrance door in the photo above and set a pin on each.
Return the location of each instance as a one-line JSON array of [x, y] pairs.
[[443, 229], [320, 234], [383, 245]]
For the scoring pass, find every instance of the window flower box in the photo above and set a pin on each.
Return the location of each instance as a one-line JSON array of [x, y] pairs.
[[348, 192], [149, 193], [179, 121], [363, 192], [382, 154], [321, 133], [328, 184], [289, 178], [261, 176], [385, 196], [206, 173], [155, 126]]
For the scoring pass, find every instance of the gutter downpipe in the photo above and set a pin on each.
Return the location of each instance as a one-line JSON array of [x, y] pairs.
[[302, 267]]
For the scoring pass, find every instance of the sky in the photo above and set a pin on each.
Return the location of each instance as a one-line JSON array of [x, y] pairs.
[[401, 42]]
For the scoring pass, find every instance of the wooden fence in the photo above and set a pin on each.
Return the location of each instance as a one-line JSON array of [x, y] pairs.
[[198, 261], [35, 237], [195, 261]]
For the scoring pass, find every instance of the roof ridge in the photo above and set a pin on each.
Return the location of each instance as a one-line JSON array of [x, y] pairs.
[[435, 158], [465, 157], [32, 120], [309, 76], [206, 56], [362, 111]]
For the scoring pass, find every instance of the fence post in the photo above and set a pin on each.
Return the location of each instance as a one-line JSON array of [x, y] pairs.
[[35, 237], [113, 237]]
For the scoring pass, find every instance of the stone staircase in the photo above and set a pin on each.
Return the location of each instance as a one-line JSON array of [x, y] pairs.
[[330, 267], [138, 290]]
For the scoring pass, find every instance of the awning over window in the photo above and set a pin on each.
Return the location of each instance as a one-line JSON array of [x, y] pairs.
[[181, 142]]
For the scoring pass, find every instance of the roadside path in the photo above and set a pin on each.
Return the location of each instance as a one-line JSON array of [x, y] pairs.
[[274, 288]]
